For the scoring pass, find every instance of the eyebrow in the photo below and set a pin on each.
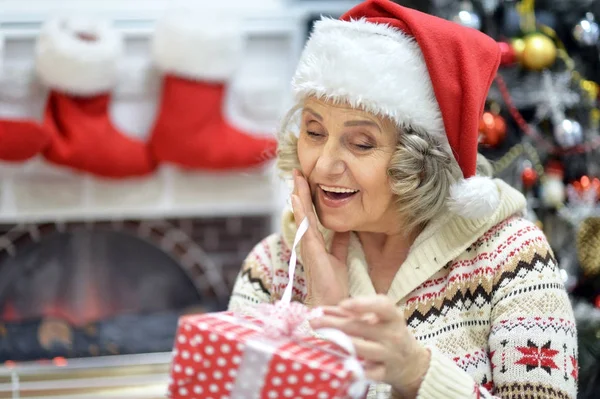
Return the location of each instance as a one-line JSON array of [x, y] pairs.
[[362, 123], [358, 122]]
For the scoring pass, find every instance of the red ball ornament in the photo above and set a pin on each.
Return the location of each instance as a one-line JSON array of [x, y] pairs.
[[508, 55], [492, 129], [597, 302], [529, 177]]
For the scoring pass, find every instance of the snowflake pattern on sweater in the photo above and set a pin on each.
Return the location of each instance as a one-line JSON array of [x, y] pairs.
[[497, 318]]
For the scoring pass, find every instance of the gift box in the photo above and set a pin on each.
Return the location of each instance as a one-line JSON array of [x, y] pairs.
[[223, 355], [265, 354]]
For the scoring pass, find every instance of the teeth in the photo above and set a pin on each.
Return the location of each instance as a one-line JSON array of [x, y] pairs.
[[337, 189]]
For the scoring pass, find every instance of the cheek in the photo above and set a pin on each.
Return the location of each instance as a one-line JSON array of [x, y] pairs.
[[375, 182], [307, 156]]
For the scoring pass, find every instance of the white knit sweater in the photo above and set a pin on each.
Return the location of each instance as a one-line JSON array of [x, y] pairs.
[[485, 295]]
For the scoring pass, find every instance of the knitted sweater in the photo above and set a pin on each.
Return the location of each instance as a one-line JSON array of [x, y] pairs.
[[485, 296]]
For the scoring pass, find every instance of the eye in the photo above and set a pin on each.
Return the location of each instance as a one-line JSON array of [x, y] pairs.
[[313, 134], [364, 147]]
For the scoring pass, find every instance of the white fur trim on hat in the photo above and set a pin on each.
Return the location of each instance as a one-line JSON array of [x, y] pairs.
[[371, 66], [200, 47], [474, 198], [78, 56]]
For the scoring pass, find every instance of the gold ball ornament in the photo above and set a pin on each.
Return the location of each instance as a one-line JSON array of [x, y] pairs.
[[518, 46], [590, 87], [588, 246], [539, 52]]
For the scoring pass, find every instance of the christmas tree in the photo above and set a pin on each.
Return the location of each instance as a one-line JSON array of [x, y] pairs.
[[541, 130]]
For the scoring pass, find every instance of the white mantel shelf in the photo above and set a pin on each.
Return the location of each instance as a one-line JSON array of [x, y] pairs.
[[53, 195]]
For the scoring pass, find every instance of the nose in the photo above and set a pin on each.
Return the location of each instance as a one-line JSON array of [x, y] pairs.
[[330, 161]]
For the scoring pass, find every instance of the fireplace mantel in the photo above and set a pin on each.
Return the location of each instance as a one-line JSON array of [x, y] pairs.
[[39, 192]]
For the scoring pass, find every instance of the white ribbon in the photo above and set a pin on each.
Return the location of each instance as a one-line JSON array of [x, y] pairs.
[[287, 294], [351, 364]]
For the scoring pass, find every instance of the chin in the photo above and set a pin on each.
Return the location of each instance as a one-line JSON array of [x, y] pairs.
[[337, 223]]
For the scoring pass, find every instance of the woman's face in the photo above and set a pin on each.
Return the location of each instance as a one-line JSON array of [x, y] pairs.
[[344, 154]]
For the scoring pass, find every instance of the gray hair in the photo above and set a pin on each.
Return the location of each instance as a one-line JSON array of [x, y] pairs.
[[420, 171]]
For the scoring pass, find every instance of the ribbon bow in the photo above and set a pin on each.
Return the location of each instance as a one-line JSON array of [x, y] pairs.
[[284, 319]]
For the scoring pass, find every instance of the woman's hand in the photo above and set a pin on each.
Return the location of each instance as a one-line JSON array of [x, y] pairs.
[[380, 336], [326, 273]]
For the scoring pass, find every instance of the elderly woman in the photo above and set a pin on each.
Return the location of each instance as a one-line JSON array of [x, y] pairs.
[[446, 290]]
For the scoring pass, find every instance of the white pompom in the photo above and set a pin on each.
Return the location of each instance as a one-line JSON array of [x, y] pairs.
[[474, 198]]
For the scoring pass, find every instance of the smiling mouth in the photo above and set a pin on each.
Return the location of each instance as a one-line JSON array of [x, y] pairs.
[[337, 193]]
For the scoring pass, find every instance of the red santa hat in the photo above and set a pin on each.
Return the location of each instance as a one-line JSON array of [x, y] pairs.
[[421, 71]]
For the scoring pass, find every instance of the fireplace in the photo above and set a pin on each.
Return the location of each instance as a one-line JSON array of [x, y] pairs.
[[103, 296]]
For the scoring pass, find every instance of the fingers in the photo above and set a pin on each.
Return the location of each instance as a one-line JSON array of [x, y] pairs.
[[298, 210], [335, 311], [370, 351], [302, 188], [302, 191], [339, 246], [380, 305], [350, 326], [368, 318]]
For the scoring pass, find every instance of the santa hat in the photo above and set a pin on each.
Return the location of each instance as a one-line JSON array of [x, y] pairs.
[[419, 70]]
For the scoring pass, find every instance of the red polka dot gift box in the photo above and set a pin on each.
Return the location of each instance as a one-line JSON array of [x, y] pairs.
[[228, 356]]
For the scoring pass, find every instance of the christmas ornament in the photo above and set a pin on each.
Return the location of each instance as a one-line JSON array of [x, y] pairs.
[[21, 140], [492, 129], [529, 177], [586, 31], [81, 69], [568, 133], [466, 16], [552, 190], [588, 246], [539, 52], [518, 46], [508, 54], [591, 88], [191, 130]]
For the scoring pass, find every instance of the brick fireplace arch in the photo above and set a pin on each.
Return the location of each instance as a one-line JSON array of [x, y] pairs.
[[94, 318]]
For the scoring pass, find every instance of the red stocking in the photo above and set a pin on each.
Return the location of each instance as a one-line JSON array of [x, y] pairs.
[[191, 130], [78, 61], [21, 140]]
